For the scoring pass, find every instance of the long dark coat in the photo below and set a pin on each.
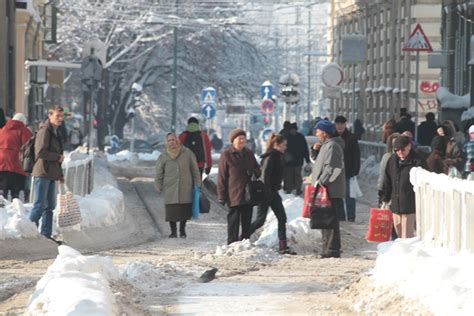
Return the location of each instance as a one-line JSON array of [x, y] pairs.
[[397, 186], [233, 175], [351, 154]]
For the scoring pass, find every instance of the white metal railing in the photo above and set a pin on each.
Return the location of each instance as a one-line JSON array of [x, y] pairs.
[[368, 149], [79, 174], [444, 210]]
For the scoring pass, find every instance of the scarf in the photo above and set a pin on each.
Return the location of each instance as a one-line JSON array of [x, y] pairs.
[[193, 127], [174, 153]]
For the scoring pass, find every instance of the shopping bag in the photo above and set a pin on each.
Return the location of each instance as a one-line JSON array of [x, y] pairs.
[[380, 225], [354, 188], [308, 200], [453, 172], [68, 212], [254, 191], [196, 194], [204, 204], [322, 213]]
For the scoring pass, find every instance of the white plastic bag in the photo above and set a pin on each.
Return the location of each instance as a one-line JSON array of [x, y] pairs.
[[354, 188], [454, 172]]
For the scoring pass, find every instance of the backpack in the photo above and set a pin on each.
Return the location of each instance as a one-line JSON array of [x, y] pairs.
[[27, 155], [194, 142]]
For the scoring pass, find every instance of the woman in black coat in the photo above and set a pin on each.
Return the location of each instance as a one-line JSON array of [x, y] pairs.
[[273, 165]]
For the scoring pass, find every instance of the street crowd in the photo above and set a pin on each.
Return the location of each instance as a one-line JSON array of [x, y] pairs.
[[332, 162]]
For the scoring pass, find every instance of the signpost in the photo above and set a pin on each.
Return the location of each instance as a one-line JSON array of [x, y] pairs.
[[208, 110], [417, 42], [208, 104], [266, 90]]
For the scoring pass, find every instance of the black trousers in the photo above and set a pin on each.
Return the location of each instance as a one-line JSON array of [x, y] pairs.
[[332, 237], [239, 215], [277, 206], [182, 227]]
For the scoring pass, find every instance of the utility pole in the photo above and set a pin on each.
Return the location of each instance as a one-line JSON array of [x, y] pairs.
[[298, 54], [173, 84], [308, 109]]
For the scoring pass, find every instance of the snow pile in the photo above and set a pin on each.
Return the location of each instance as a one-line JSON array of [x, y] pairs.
[[468, 114], [75, 285], [301, 238], [245, 249], [15, 222], [102, 207], [452, 101], [438, 279], [126, 155]]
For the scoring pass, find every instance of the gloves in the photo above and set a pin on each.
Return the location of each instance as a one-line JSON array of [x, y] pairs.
[[222, 202], [308, 168], [208, 170]]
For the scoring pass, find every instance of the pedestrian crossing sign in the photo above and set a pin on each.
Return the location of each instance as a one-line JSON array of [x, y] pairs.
[[418, 42]]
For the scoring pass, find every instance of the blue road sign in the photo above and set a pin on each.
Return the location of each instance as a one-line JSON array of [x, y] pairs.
[[208, 95], [208, 110], [266, 133], [266, 90]]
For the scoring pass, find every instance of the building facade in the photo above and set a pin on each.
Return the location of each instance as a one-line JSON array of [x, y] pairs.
[[7, 56], [386, 82]]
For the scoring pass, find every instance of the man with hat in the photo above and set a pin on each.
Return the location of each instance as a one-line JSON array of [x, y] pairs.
[[328, 170], [397, 191], [351, 164], [198, 141], [295, 155]]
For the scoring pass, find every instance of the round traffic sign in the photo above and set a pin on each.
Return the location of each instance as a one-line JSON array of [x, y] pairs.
[[332, 75], [267, 106]]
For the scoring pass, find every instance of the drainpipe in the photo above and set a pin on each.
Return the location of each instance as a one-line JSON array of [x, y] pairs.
[[26, 77]]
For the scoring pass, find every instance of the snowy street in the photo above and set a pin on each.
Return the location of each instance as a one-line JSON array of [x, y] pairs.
[[161, 276]]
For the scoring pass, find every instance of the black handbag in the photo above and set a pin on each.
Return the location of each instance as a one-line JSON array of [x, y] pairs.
[[254, 191], [322, 217], [204, 204]]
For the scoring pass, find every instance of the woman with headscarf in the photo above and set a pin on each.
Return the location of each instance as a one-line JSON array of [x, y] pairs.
[[236, 164], [453, 150], [177, 174], [436, 160]]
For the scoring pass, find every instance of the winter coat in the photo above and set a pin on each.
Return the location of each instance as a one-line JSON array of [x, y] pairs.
[[351, 154], [176, 178], [207, 162], [359, 129], [397, 186], [454, 154], [469, 152], [436, 163], [328, 168], [273, 166], [426, 132], [382, 167], [12, 136], [405, 124], [297, 150], [48, 149], [232, 176]]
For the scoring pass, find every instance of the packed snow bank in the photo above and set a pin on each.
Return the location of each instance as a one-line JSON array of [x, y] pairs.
[[75, 285], [441, 280], [301, 238], [126, 155], [15, 222], [244, 249]]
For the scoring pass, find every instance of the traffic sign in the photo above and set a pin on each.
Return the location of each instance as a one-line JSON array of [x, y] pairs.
[[266, 133], [208, 110], [332, 75], [267, 106], [208, 95], [266, 90], [418, 42]]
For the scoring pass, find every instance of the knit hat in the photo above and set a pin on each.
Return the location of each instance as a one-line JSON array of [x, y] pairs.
[[20, 117], [340, 119], [471, 129], [325, 126], [192, 119], [236, 133], [401, 142]]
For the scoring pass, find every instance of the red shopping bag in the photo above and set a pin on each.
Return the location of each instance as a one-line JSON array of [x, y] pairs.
[[380, 225], [316, 195], [308, 200]]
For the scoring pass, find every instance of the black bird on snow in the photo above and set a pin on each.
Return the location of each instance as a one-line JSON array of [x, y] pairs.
[[208, 276]]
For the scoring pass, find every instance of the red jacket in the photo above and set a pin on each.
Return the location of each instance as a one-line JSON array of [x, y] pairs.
[[207, 149], [12, 136]]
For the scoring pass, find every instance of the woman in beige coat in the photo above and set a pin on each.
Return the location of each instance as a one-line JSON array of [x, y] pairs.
[[176, 176]]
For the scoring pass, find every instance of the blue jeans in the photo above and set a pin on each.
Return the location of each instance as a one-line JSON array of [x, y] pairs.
[[350, 202], [44, 203]]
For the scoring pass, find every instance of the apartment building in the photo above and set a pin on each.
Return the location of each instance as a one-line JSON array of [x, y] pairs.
[[387, 81], [7, 56]]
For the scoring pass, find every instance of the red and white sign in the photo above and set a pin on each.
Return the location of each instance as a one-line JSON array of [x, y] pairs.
[[332, 75], [418, 42], [267, 106]]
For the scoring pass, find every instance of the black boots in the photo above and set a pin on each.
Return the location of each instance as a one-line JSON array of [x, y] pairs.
[[182, 229], [173, 230], [284, 249]]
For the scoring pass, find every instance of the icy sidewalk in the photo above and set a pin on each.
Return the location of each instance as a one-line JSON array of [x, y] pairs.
[[75, 285]]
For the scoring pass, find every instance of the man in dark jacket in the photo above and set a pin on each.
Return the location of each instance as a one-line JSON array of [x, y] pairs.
[[286, 129], [405, 123], [427, 130], [47, 170], [397, 189], [351, 163], [198, 141], [295, 156]]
